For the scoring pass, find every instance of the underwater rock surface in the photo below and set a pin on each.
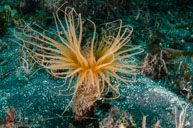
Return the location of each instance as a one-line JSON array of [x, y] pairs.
[[151, 99]]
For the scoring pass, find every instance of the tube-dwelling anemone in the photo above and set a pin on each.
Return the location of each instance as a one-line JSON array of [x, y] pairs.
[[94, 66]]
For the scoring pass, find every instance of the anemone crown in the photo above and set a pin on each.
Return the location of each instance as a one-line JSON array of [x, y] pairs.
[[93, 66]]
